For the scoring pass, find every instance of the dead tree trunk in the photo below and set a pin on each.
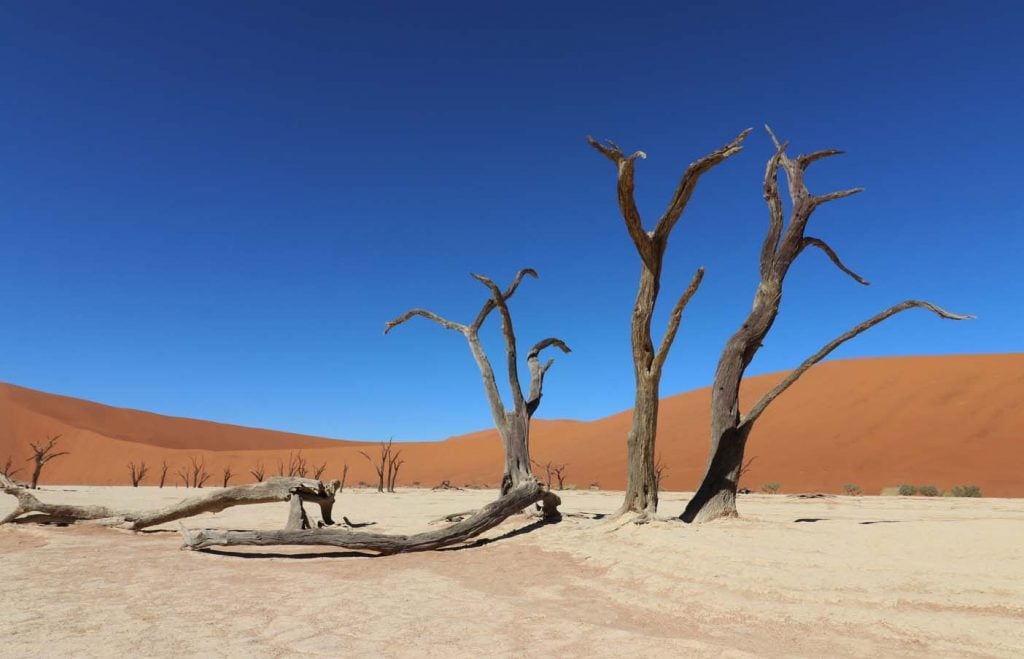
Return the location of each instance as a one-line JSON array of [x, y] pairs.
[[163, 473], [381, 467], [487, 518], [716, 496], [42, 454], [513, 424], [641, 482], [271, 490]]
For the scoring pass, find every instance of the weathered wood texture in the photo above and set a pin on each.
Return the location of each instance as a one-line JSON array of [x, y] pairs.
[[486, 518], [513, 424], [716, 495], [642, 482], [271, 490]]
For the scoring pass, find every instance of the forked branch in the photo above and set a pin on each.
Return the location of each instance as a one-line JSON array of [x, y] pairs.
[[795, 374], [537, 370]]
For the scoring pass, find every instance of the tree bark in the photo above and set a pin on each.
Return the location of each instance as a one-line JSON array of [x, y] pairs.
[[485, 519], [715, 497], [641, 478]]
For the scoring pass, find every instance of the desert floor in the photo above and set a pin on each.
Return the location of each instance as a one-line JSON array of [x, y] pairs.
[[838, 576]]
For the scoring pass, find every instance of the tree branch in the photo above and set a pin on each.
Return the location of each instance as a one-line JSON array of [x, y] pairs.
[[823, 246], [537, 371], [430, 315], [510, 339], [688, 183], [795, 374], [489, 304], [627, 202], [674, 318], [832, 196]]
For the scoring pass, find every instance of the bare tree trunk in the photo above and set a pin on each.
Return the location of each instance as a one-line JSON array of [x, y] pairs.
[[41, 454], [641, 482], [716, 496], [487, 518]]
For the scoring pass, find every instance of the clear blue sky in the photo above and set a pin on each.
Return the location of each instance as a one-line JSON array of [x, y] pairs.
[[210, 209]]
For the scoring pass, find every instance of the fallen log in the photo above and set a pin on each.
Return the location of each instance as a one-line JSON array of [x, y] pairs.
[[485, 519], [269, 491]]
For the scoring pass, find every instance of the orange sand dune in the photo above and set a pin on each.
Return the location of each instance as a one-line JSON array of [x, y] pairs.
[[873, 422]]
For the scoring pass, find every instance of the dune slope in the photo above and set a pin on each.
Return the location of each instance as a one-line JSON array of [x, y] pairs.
[[872, 422]]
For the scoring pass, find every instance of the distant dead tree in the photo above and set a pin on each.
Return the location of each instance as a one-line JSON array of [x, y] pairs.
[[183, 475], [344, 477], [547, 472], [659, 470], [41, 454], [716, 496], [380, 464], [296, 465], [641, 484], [227, 473], [513, 425], [559, 471], [8, 470], [258, 472], [319, 471], [198, 472], [163, 473], [138, 472]]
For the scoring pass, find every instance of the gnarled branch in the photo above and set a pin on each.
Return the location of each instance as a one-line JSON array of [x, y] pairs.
[[627, 202], [795, 374], [429, 315], [537, 370], [688, 183], [823, 246], [512, 358]]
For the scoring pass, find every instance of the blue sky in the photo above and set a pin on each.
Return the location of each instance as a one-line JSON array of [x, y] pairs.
[[210, 209]]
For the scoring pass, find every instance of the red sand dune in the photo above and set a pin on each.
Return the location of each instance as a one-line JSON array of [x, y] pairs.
[[940, 421]]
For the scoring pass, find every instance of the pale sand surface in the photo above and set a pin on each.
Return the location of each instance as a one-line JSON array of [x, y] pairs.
[[842, 576]]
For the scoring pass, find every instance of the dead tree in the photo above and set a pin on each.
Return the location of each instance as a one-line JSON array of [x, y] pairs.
[[648, 362], [659, 470], [163, 473], [227, 475], [138, 472], [716, 496], [183, 475], [273, 489], [344, 477], [547, 472], [513, 424], [394, 463], [559, 471], [42, 454], [198, 471], [381, 465], [258, 472], [486, 518], [319, 471]]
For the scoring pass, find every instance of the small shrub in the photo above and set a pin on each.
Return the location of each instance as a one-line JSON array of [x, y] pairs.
[[771, 488], [852, 490], [363, 484], [929, 491], [907, 490], [966, 491], [415, 483], [570, 486], [595, 486]]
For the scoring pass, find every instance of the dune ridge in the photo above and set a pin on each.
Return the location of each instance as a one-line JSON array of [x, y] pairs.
[[874, 422]]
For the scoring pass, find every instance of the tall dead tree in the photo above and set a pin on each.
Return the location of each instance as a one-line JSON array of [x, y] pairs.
[[163, 472], [716, 496], [513, 424], [41, 454], [395, 462], [227, 473], [642, 481], [258, 472], [199, 473], [138, 472]]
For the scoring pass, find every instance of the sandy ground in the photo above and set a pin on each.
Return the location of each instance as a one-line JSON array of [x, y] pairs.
[[837, 576]]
